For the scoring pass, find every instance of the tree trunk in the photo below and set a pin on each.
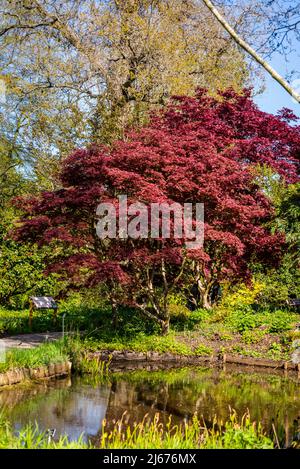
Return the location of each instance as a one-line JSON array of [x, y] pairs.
[[114, 309], [206, 302], [165, 326]]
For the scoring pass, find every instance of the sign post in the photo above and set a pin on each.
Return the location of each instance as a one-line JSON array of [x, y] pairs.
[[42, 302]]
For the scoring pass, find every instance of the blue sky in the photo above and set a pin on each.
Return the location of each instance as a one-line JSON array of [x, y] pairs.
[[275, 97]]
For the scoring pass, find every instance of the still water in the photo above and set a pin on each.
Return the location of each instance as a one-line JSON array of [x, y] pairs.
[[78, 405]]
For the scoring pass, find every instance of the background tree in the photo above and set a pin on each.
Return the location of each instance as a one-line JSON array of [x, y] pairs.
[[21, 265], [284, 282], [81, 71]]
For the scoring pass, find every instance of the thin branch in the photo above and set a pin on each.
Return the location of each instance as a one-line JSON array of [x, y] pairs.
[[24, 26], [251, 51], [14, 165]]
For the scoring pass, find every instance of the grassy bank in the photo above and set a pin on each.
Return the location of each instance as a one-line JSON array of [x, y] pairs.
[[233, 434], [262, 334], [45, 354], [236, 328]]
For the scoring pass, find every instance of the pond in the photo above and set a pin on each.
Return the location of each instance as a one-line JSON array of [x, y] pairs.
[[78, 405]]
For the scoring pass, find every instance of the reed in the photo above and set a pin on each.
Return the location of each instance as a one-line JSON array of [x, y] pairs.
[[154, 434], [148, 434]]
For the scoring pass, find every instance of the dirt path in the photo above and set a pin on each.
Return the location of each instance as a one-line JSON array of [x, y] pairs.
[[28, 340]]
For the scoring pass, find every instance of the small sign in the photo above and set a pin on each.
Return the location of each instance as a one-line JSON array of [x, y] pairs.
[[43, 302]]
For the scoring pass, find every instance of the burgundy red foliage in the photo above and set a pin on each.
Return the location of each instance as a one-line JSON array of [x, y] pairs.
[[200, 149]]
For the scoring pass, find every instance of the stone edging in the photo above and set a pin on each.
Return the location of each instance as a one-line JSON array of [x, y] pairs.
[[20, 375], [53, 370], [124, 355]]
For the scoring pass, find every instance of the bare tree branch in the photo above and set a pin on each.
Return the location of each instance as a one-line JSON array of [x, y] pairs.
[[274, 74]]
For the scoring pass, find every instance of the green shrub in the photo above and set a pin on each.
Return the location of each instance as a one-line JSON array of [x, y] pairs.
[[241, 297], [253, 336], [199, 316], [275, 350], [177, 299], [178, 311], [280, 321], [139, 343], [22, 266], [245, 435], [203, 350], [243, 320]]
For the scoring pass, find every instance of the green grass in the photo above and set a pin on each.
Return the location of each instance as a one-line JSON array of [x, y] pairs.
[[249, 338], [79, 318], [150, 434], [45, 354], [31, 437], [140, 343], [153, 434], [83, 365]]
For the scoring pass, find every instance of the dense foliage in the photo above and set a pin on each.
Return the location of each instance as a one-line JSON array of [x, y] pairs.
[[21, 264], [199, 149]]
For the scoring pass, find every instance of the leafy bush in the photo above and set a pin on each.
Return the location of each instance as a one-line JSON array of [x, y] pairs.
[[280, 322], [275, 350], [177, 298], [246, 319], [199, 315], [241, 436], [139, 343], [243, 320], [276, 289], [242, 297], [21, 269], [178, 311], [203, 350], [253, 336]]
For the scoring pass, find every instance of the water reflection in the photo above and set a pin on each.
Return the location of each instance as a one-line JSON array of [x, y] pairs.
[[79, 405], [71, 407]]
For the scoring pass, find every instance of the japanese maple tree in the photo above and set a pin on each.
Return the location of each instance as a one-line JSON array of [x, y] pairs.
[[199, 149]]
